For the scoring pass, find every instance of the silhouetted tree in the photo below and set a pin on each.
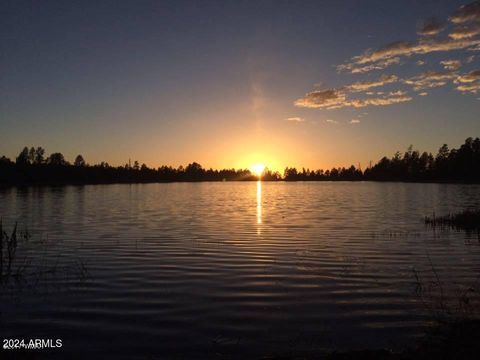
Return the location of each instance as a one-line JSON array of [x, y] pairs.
[[4, 160], [39, 153], [79, 161], [194, 171], [22, 158], [56, 159], [290, 174], [31, 155], [441, 161]]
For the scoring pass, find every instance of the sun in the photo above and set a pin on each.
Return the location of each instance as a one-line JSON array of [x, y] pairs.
[[257, 169]]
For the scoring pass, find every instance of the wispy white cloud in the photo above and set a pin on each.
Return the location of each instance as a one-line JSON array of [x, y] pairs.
[[466, 13], [354, 121], [329, 98], [379, 65], [365, 85], [358, 103], [451, 64], [463, 36], [469, 77], [465, 32], [430, 27], [397, 93], [335, 99], [470, 88], [404, 48], [295, 119], [430, 79]]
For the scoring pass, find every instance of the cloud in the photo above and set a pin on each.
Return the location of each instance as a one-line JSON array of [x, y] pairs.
[[380, 65], [469, 83], [385, 52], [466, 13], [354, 121], [365, 85], [397, 93], [463, 36], [469, 77], [451, 64], [329, 98], [330, 121], [465, 32], [403, 48], [460, 38], [295, 119], [430, 79], [430, 27], [471, 88], [358, 103], [335, 99]]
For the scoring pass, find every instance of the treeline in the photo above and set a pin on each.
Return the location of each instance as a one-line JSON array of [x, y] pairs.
[[455, 165], [56, 170], [31, 166]]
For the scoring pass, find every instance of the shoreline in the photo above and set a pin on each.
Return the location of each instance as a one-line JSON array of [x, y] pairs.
[[72, 183]]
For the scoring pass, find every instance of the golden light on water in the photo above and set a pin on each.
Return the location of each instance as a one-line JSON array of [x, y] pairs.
[[259, 202], [257, 169]]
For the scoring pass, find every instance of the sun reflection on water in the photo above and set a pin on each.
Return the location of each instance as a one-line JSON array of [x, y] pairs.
[[259, 202]]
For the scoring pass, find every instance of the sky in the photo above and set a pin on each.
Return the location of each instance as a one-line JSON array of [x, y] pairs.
[[311, 84]]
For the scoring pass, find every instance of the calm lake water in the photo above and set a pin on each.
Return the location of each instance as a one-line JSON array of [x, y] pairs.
[[229, 270]]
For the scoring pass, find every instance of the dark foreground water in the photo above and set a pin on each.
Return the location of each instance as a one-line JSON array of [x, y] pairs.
[[231, 270]]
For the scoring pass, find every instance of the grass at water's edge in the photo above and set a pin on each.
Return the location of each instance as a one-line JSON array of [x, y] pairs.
[[20, 271], [468, 219]]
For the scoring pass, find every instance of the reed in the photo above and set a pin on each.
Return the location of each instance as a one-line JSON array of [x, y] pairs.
[[8, 248], [19, 267], [468, 219]]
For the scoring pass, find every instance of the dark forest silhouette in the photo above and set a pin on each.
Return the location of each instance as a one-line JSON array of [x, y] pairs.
[[32, 167]]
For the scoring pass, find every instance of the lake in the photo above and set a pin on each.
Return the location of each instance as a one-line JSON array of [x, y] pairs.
[[233, 270]]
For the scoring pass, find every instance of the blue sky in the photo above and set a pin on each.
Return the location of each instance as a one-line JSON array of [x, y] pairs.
[[216, 81]]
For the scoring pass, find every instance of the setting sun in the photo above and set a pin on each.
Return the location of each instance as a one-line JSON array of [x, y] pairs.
[[257, 169]]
